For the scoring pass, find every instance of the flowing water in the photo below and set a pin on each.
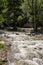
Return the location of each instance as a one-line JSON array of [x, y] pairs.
[[24, 50]]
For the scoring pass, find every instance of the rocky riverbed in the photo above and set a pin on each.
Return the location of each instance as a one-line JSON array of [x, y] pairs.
[[25, 49]]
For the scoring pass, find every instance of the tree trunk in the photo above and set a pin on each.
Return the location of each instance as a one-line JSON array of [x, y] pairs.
[[35, 16]]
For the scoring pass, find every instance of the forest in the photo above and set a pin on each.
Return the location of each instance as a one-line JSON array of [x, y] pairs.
[[19, 13]]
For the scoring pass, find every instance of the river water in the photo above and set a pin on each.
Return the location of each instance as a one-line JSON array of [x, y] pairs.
[[24, 50]]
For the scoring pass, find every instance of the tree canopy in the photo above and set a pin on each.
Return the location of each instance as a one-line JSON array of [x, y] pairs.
[[12, 12]]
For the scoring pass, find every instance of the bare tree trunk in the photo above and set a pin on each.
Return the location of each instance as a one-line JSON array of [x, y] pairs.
[[35, 14]]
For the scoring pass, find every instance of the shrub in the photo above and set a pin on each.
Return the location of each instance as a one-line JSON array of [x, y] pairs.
[[2, 46]]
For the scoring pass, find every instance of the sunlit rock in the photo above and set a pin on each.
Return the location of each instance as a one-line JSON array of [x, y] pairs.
[[25, 50], [39, 61], [27, 62]]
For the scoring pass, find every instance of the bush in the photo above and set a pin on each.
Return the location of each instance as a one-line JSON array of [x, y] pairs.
[[2, 46]]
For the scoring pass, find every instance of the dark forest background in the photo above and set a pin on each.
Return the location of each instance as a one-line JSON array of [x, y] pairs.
[[21, 13]]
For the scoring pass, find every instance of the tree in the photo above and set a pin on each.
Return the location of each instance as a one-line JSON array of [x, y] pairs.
[[3, 6], [37, 12], [32, 9], [13, 12], [25, 10]]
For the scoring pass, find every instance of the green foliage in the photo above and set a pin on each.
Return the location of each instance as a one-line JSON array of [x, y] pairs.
[[2, 46], [13, 11], [3, 9], [34, 10], [20, 18], [1, 18]]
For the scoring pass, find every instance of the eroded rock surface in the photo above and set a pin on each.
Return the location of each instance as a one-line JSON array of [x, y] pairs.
[[24, 49]]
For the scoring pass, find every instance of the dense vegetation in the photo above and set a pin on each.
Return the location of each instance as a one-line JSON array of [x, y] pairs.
[[14, 13]]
